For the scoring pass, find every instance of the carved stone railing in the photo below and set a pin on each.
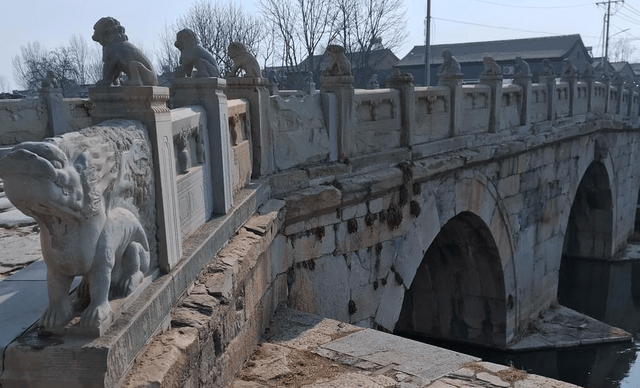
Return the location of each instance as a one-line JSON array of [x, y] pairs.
[[48, 115], [23, 120], [377, 120], [240, 140], [193, 173]]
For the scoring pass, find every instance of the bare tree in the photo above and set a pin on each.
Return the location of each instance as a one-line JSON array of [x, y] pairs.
[[621, 49], [75, 62], [367, 26], [301, 27], [216, 24]]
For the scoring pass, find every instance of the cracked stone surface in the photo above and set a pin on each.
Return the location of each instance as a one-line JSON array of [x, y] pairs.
[[313, 352]]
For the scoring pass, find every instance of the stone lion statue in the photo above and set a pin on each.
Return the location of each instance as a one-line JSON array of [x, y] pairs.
[[193, 55], [88, 191], [242, 60], [491, 67], [339, 65], [450, 65], [120, 56]]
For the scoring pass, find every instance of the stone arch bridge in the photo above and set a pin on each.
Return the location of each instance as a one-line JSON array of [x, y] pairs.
[[442, 211]]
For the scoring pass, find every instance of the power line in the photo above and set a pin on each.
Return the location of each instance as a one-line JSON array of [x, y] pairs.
[[608, 23], [505, 28], [534, 7]]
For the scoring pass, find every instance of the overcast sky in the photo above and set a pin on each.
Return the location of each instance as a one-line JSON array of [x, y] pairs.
[[53, 22]]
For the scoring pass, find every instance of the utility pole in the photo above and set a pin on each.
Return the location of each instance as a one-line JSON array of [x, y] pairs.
[[608, 23], [427, 47]]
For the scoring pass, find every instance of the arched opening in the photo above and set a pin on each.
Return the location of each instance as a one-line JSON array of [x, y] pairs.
[[458, 291], [588, 237]]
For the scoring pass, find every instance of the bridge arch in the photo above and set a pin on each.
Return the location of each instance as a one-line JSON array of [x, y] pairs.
[[469, 261], [590, 229], [589, 234]]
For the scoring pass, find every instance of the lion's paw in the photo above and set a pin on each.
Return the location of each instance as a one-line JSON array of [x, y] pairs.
[[129, 284], [57, 316], [94, 316]]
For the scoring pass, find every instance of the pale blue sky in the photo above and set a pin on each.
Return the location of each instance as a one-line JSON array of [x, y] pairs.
[[52, 22]]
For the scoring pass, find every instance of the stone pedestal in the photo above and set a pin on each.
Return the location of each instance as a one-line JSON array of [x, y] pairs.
[[550, 81], [254, 89], [58, 116], [147, 104], [208, 92], [495, 101], [404, 83], [342, 88], [454, 82], [525, 83]]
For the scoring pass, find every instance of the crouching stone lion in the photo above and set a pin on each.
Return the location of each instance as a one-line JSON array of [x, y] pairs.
[[88, 191]]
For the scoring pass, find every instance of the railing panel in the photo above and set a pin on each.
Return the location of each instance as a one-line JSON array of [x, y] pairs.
[[433, 115], [511, 106], [475, 105], [378, 120]]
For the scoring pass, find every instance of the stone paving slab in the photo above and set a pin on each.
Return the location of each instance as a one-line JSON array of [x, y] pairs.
[[302, 350], [19, 247], [412, 357]]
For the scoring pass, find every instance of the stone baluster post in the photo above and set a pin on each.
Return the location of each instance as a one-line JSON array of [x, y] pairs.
[[341, 86], [454, 82], [148, 104], [525, 82], [572, 80], [254, 89], [56, 112], [495, 101], [629, 88], [404, 83], [550, 81], [209, 92], [591, 83], [618, 84]]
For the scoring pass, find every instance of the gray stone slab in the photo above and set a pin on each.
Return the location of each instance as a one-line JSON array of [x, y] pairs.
[[21, 304], [36, 271], [412, 357], [13, 218], [19, 246]]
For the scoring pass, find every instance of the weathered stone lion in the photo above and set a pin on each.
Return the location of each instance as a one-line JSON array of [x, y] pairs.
[[338, 63], [88, 191], [120, 56], [242, 60], [193, 55]]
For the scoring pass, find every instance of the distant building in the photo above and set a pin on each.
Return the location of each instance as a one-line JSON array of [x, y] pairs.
[[363, 66], [470, 55], [625, 70]]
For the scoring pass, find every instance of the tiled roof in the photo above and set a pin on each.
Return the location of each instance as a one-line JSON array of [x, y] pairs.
[[545, 47]]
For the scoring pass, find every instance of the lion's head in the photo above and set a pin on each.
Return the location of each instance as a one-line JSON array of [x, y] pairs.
[[236, 49], [108, 30], [185, 38]]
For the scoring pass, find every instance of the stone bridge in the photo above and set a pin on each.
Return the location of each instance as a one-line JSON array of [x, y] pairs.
[[441, 211]]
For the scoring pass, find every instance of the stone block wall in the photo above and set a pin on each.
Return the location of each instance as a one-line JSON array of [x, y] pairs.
[[218, 322]]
